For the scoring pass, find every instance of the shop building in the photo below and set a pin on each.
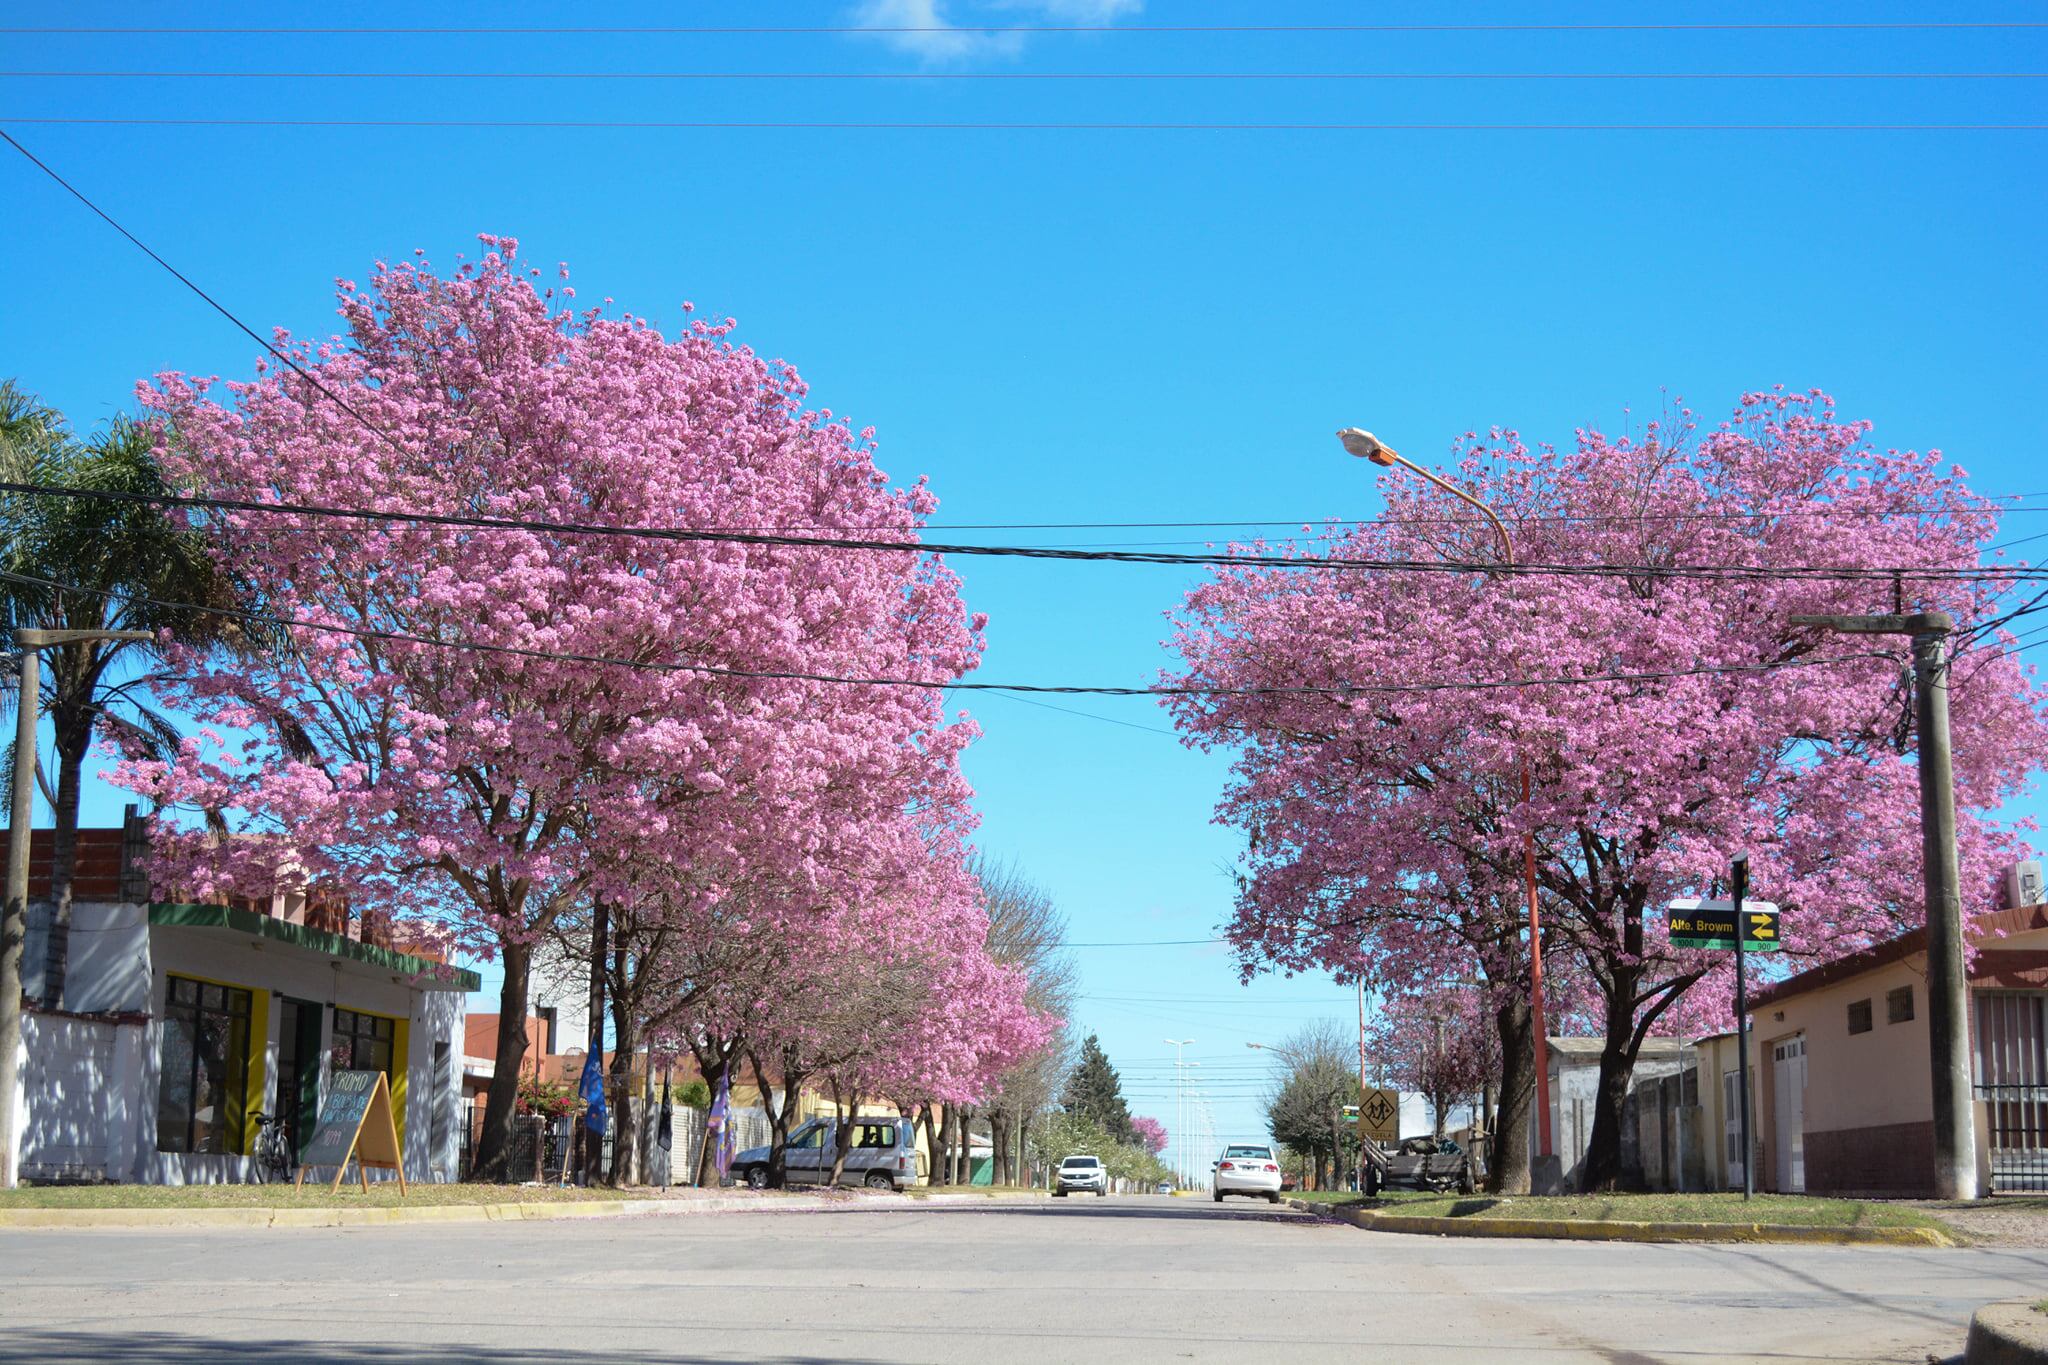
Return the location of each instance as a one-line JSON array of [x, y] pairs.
[[174, 1027]]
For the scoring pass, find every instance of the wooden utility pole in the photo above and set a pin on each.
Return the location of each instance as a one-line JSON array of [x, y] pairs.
[[1948, 991]]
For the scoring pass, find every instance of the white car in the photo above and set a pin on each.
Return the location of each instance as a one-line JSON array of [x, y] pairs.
[[1081, 1174], [1248, 1169]]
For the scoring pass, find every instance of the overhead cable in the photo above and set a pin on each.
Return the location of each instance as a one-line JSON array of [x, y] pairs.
[[1212, 559]]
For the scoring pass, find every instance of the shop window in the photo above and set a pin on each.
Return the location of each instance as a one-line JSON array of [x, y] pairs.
[[202, 1067], [361, 1042], [1859, 1016], [1898, 1005]]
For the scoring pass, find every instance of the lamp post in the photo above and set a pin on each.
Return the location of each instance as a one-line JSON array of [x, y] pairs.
[[14, 921], [1180, 1111], [1369, 447]]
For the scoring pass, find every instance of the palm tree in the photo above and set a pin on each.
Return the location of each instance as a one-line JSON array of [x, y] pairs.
[[69, 563]]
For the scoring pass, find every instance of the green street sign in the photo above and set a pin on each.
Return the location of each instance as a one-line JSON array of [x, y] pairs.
[[1711, 924]]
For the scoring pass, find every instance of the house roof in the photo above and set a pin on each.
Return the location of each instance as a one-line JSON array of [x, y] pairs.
[[2000, 924]]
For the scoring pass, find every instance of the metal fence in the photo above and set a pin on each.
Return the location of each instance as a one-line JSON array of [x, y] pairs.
[[538, 1146], [2018, 1119]]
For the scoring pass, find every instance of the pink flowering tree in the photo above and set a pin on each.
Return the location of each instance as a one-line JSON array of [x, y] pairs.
[[1150, 1134], [487, 725], [1644, 667]]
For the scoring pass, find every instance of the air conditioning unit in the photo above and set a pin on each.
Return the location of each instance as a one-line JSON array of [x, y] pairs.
[[2023, 884]]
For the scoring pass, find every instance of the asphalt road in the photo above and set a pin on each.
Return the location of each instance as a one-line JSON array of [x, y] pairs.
[[1124, 1279]]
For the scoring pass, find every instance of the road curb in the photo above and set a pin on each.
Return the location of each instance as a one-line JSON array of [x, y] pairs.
[[1575, 1230], [510, 1212], [2007, 1334]]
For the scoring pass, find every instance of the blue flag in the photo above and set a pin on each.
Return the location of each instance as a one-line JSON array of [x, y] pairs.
[[592, 1091]]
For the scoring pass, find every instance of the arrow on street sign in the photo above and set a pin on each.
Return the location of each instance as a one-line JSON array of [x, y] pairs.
[[1696, 923]]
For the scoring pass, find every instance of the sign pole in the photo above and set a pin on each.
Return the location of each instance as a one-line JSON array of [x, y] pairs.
[[1738, 883]]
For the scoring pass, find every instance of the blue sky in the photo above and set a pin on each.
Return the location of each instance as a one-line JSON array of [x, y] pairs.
[[1136, 325]]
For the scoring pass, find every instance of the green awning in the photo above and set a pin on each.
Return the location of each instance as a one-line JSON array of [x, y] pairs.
[[425, 974]]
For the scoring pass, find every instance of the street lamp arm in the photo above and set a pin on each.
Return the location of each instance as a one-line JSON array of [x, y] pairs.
[[1507, 544], [42, 639]]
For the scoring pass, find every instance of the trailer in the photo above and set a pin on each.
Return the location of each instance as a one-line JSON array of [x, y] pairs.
[[1419, 1163]]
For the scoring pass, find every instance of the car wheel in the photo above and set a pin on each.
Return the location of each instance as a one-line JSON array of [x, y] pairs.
[[1273, 1197], [757, 1178], [1219, 1196], [1059, 1194], [879, 1180]]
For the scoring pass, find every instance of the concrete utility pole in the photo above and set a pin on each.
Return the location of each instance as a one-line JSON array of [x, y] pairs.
[[14, 922], [1948, 992]]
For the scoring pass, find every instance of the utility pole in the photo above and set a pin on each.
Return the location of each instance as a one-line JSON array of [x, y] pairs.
[[1738, 887], [1948, 991], [14, 921], [593, 1140]]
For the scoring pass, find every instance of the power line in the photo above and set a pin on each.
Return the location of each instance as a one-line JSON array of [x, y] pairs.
[[938, 685], [180, 276], [655, 30], [977, 126], [1209, 559], [387, 439], [1026, 76]]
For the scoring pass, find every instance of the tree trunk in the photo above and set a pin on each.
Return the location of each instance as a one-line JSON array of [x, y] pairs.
[[625, 1168], [493, 1164], [842, 1135], [1507, 1150], [1617, 1063], [73, 726], [779, 1111], [934, 1148], [714, 1073], [963, 1158]]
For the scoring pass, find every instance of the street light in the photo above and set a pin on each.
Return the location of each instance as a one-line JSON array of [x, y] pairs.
[[1367, 446], [14, 921], [1180, 1109]]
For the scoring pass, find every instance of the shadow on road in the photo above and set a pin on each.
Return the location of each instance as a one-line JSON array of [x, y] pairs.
[[162, 1348]]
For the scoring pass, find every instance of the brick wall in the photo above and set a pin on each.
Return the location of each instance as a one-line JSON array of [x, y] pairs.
[[98, 869], [1893, 1160]]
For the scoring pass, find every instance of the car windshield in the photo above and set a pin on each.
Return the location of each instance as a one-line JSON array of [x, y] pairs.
[[1262, 1153], [1083, 1162]]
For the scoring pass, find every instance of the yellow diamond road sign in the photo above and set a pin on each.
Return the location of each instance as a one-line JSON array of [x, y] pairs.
[[1380, 1115]]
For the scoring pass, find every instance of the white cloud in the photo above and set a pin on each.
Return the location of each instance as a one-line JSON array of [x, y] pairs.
[[932, 29]]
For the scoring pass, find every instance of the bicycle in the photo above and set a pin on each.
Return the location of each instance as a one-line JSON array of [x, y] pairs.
[[273, 1150]]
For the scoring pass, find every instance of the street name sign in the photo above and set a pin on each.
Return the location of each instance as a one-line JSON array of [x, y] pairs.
[[1696, 923], [1379, 1117]]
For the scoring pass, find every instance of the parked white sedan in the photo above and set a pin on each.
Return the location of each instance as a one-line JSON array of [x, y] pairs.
[[1248, 1170]]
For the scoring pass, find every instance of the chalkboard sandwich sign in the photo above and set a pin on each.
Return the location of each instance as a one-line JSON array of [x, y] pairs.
[[355, 1121]]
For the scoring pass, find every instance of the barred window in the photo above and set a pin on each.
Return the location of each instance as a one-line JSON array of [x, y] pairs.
[[1859, 1016], [1898, 1005]]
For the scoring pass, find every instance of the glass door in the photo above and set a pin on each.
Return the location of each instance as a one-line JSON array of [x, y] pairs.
[[299, 1040]]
